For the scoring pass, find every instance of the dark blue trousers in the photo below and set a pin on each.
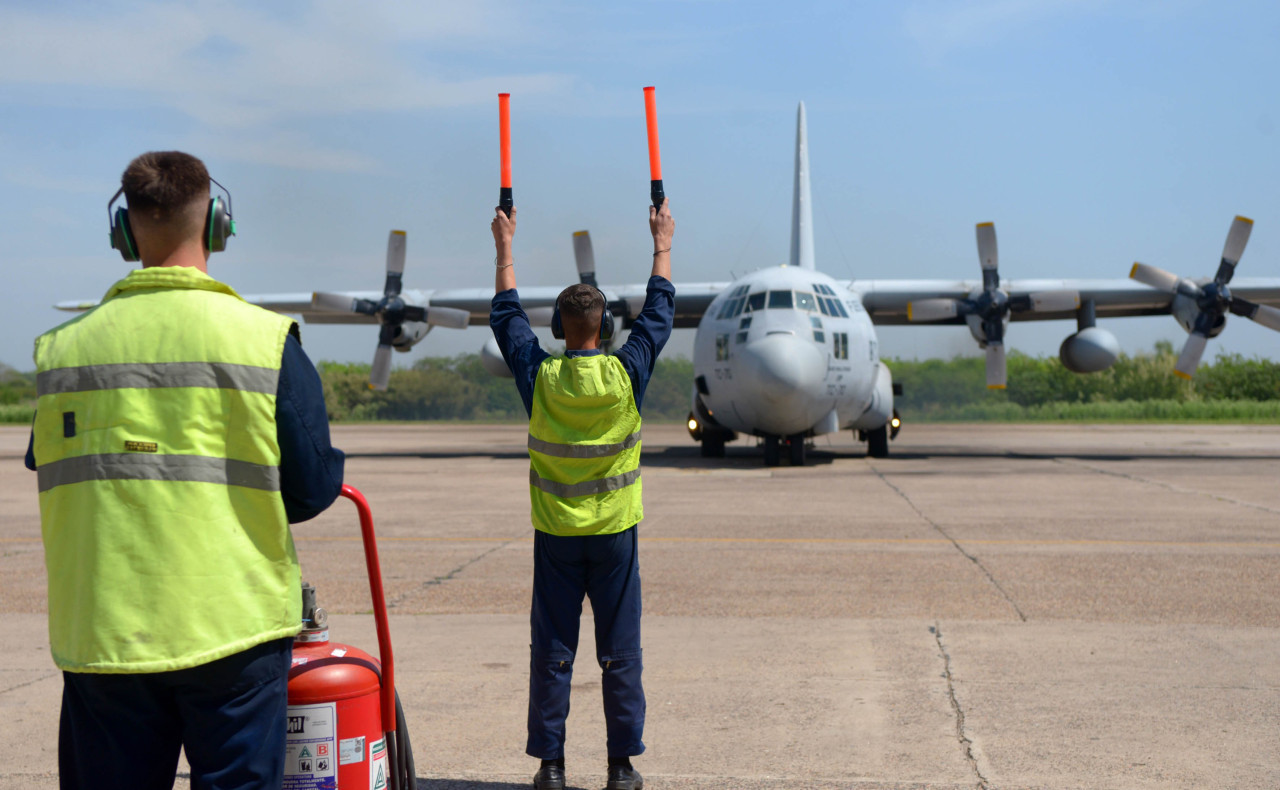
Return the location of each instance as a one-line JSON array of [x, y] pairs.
[[125, 731], [606, 569]]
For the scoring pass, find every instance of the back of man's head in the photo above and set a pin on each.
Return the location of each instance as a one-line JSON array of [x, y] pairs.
[[581, 308], [168, 197]]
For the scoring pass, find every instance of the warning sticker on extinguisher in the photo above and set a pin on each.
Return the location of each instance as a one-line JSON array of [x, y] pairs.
[[311, 747], [378, 765]]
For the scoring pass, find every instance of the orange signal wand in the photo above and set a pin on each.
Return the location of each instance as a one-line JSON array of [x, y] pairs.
[[655, 156], [505, 200]]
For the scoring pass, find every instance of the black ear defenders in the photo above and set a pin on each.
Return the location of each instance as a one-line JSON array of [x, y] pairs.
[[218, 225], [606, 321]]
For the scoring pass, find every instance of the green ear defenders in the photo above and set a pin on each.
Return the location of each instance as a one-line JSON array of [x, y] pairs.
[[606, 321], [218, 225]]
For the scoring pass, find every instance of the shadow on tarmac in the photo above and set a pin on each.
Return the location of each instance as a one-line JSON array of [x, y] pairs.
[[468, 784], [751, 457]]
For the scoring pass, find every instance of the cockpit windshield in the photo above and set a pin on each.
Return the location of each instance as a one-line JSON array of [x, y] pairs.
[[780, 299]]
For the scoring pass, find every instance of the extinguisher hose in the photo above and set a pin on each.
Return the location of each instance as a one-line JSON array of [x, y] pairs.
[[400, 752]]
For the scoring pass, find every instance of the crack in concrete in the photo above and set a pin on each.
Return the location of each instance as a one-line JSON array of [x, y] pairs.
[[30, 683], [1167, 486], [972, 558], [965, 743], [438, 580]]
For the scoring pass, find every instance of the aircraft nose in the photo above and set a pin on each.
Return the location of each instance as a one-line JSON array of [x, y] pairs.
[[785, 367]]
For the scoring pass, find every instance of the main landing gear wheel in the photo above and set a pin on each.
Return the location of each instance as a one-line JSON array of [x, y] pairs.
[[771, 454], [878, 442], [797, 448]]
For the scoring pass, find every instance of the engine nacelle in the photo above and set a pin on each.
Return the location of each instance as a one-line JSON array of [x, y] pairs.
[[1186, 311], [491, 358], [975, 328], [410, 334], [879, 410], [1089, 350]]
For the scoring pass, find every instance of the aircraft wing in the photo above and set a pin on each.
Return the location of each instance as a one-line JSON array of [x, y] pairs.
[[625, 301], [887, 301]]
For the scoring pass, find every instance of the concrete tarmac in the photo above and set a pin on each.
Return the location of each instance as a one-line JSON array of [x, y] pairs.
[[1048, 606]]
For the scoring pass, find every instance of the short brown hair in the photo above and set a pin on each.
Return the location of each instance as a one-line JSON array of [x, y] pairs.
[[581, 307], [162, 184]]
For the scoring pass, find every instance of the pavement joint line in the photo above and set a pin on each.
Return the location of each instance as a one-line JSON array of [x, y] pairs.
[[965, 743], [1167, 486], [972, 558], [441, 579], [30, 682]]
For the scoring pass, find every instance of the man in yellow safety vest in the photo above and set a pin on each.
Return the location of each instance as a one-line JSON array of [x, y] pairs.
[[178, 431], [584, 488]]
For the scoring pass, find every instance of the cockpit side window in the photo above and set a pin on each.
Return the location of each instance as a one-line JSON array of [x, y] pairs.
[[780, 299], [755, 301]]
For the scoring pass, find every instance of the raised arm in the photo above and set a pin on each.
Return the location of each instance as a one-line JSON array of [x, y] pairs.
[[504, 229], [663, 227]]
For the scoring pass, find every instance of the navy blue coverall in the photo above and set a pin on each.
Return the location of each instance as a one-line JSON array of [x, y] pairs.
[[604, 568]]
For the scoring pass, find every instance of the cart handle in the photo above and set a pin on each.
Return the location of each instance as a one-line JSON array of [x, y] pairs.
[[388, 690]]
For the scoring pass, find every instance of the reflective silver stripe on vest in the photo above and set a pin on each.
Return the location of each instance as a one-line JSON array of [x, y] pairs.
[[169, 468], [142, 375], [582, 450], [569, 490]]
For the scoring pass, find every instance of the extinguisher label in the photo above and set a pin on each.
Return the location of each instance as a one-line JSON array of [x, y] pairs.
[[351, 750], [378, 765], [311, 747]]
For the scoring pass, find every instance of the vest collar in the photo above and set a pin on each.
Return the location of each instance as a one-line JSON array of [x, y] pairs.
[[583, 352], [182, 277]]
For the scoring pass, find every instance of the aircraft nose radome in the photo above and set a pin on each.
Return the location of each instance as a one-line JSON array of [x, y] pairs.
[[786, 367]]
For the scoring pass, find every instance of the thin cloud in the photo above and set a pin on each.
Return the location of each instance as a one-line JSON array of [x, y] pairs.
[[940, 27], [246, 70]]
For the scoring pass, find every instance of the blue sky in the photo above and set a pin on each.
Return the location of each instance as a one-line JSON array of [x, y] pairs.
[[1092, 133]]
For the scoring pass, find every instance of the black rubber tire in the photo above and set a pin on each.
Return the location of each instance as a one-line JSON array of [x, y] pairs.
[[878, 442], [797, 449], [712, 446], [772, 457]]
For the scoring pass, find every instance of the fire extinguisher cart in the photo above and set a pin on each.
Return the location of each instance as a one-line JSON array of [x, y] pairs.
[[346, 728]]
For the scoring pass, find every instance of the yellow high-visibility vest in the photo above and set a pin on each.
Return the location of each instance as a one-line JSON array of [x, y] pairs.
[[584, 448], [166, 540]]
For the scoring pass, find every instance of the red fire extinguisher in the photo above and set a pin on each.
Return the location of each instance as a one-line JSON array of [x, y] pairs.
[[346, 727]]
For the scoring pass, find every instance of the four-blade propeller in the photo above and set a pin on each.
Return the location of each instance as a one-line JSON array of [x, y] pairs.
[[391, 311], [1213, 300], [988, 311]]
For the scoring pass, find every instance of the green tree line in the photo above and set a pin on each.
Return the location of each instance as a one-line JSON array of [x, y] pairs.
[[1138, 387], [459, 388]]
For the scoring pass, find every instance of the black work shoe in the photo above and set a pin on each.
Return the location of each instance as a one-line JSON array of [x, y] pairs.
[[624, 777], [549, 777]]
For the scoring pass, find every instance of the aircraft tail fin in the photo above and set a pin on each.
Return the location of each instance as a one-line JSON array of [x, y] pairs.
[[802, 200]]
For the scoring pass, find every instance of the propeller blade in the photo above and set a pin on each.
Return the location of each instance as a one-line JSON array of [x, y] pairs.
[[338, 303], [988, 257], [1258, 313], [1156, 278], [395, 262], [987, 254], [1054, 301], [449, 317], [996, 371], [1237, 238], [584, 257], [380, 375], [932, 309], [1189, 359]]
